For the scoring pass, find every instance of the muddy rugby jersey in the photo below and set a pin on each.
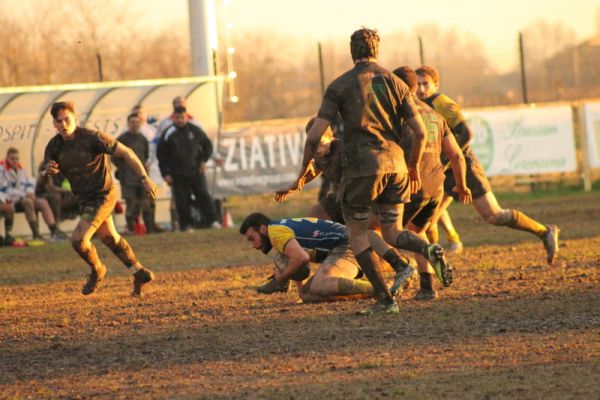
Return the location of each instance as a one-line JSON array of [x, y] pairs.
[[373, 103], [83, 160]]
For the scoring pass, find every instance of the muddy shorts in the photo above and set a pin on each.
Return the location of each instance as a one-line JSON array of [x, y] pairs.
[[332, 208], [358, 195], [97, 208], [476, 179], [342, 260], [421, 211]]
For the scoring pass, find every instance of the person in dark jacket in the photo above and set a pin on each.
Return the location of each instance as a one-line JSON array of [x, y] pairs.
[[132, 189], [182, 152]]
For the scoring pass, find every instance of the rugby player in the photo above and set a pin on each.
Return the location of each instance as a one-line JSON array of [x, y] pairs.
[[81, 155], [484, 200]]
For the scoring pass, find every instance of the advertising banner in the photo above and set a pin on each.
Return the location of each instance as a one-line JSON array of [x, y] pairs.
[[524, 141], [259, 159], [592, 122]]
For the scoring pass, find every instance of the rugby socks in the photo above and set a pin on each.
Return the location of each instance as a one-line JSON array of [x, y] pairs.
[[410, 241], [89, 255], [397, 261], [369, 264], [124, 252], [522, 222], [426, 280], [453, 236], [353, 286]]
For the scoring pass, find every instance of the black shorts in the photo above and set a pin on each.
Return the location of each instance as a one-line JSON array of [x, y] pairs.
[[97, 208], [476, 179], [420, 211], [360, 194], [332, 208]]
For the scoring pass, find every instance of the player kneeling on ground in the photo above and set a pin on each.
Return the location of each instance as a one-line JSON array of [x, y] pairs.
[[299, 241]]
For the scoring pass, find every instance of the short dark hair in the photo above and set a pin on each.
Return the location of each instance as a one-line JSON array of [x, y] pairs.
[[132, 115], [255, 221], [12, 150], [408, 76], [428, 70], [364, 43], [180, 110], [62, 105]]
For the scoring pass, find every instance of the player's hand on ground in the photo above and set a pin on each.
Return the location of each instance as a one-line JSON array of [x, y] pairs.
[[51, 168], [414, 180], [464, 194], [150, 188]]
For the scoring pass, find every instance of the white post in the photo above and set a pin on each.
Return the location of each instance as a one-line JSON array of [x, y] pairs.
[[586, 175], [203, 36]]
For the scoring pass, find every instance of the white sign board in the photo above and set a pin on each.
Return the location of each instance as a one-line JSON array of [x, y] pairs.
[[524, 141], [592, 124]]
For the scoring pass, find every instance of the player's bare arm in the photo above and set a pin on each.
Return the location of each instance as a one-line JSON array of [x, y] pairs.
[[306, 175], [313, 138], [454, 154], [418, 147], [297, 258], [136, 165]]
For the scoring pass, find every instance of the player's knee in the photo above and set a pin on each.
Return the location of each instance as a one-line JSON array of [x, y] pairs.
[[355, 216], [388, 216], [501, 218], [110, 242], [80, 246]]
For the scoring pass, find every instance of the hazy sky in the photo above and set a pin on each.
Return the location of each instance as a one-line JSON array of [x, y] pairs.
[[495, 23]]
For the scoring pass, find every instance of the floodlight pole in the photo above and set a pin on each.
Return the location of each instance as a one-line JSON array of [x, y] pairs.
[[203, 36]]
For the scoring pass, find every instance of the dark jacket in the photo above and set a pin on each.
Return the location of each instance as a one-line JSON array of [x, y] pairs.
[[140, 146], [181, 150]]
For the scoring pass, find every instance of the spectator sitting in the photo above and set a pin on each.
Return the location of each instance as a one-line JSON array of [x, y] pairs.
[[19, 195]]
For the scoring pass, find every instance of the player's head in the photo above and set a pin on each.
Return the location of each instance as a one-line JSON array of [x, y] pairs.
[[178, 101], [325, 143], [408, 76], [364, 43], [179, 116], [63, 118], [134, 122], [254, 228], [12, 157], [428, 81]]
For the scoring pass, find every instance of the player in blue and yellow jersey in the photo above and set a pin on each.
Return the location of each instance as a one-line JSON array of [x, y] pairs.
[[305, 240]]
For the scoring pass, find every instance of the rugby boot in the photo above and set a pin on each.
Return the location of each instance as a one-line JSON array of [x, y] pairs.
[[140, 278], [401, 280], [454, 248], [272, 286], [95, 278], [435, 255], [550, 240], [426, 294], [381, 308]]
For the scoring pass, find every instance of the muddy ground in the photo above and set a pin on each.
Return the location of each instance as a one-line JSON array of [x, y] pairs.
[[510, 327]]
